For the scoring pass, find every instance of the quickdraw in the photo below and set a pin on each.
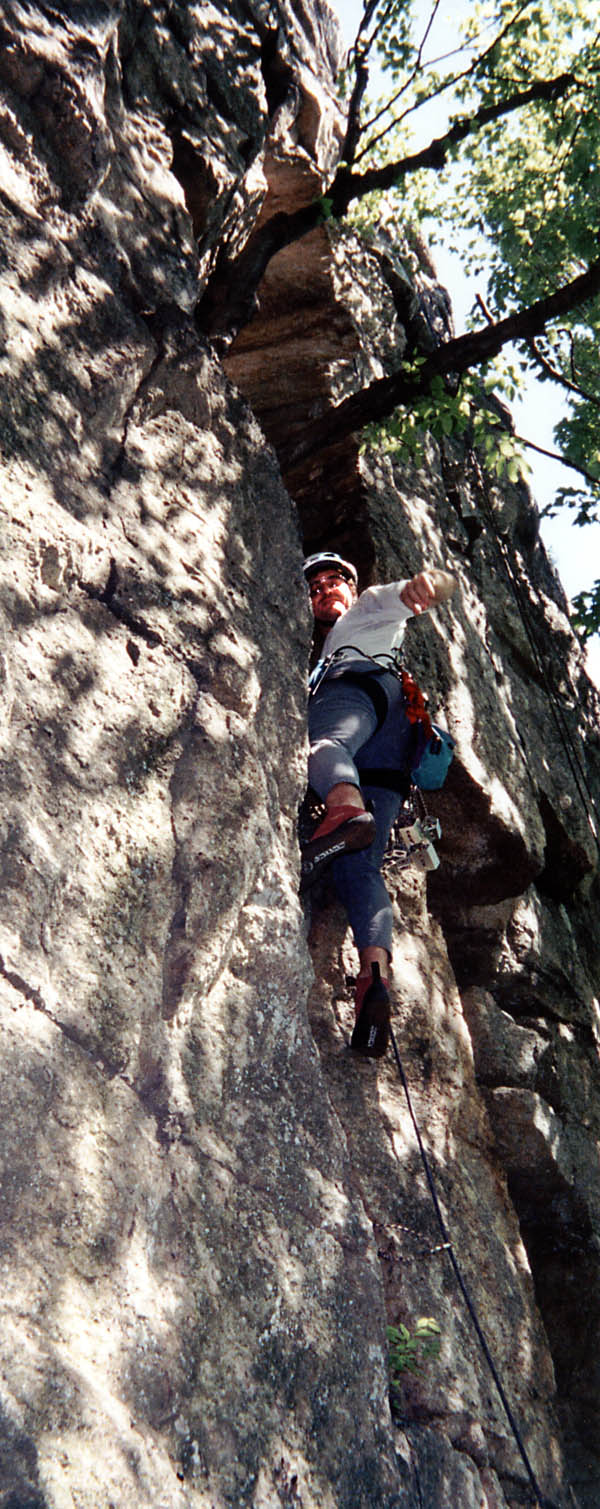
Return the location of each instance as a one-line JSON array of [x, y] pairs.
[[413, 837], [415, 703]]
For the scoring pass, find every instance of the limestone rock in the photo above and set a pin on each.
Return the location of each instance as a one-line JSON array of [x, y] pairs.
[[209, 1208]]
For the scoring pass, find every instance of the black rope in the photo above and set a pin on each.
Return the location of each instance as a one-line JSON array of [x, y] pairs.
[[542, 1502]]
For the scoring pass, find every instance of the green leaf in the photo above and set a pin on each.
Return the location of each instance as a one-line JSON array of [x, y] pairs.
[[325, 207]]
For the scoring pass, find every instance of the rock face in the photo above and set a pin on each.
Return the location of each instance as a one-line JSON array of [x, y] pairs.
[[208, 1207]]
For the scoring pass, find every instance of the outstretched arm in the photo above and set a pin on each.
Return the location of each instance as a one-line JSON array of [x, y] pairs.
[[428, 588]]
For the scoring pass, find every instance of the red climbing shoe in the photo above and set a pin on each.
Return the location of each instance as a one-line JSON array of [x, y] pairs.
[[372, 1005], [344, 830]]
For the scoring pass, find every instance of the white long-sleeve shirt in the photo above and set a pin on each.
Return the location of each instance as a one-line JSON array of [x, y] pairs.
[[374, 624]]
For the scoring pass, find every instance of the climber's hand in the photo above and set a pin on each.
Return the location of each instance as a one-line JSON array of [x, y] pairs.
[[429, 587], [419, 593]]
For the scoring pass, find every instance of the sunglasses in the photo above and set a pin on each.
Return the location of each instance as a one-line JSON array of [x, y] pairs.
[[322, 585]]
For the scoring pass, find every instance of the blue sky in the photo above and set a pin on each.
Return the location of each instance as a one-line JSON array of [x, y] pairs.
[[575, 551]]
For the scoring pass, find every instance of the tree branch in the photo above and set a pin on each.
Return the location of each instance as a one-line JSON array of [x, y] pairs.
[[349, 186], [559, 377], [359, 57], [380, 398], [448, 83], [229, 299], [353, 126], [418, 65], [367, 16], [564, 461]]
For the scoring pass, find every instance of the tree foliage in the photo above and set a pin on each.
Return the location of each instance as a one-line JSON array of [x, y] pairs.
[[517, 165], [523, 187]]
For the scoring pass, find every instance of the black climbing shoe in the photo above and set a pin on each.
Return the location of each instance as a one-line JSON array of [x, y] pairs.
[[372, 1030], [342, 831]]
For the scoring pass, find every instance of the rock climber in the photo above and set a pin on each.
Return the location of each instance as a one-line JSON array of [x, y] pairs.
[[360, 747]]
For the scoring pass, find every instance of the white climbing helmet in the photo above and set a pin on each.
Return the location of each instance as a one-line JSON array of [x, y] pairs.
[[329, 560]]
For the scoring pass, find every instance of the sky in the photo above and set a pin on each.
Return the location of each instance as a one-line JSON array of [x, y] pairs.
[[574, 550]]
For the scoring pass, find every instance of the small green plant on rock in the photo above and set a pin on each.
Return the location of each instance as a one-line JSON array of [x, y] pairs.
[[408, 1351]]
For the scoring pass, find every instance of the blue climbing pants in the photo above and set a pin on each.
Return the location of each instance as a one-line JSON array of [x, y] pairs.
[[344, 737]]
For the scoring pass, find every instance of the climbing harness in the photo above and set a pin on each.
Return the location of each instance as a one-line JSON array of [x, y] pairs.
[[540, 1501], [388, 661], [433, 748], [414, 833]]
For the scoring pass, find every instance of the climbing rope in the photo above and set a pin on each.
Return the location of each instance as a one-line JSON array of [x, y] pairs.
[[541, 1502]]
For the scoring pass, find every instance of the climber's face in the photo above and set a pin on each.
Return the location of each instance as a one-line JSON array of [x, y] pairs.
[[331, 594]]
